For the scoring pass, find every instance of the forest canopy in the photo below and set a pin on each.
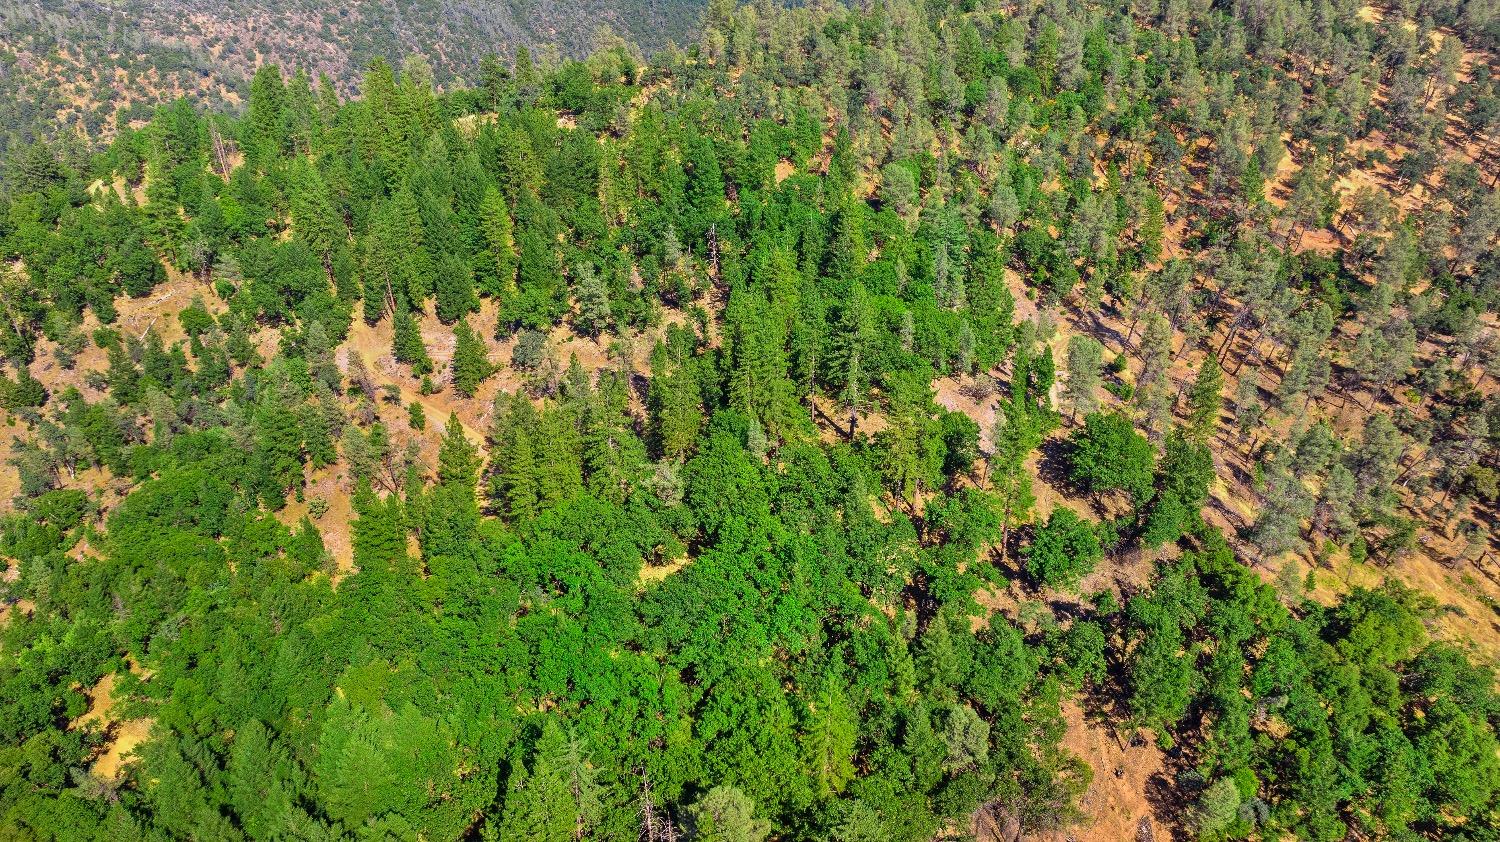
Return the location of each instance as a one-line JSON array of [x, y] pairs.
[[796, 435]]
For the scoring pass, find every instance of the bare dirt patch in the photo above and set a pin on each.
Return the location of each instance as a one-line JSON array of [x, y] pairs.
[[653, 573], [128, 736], [1116, 801], [124, 735], [10, 477]]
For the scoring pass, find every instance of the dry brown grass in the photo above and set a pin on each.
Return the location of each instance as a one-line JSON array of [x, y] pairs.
[[1116, 801], [123, 735]]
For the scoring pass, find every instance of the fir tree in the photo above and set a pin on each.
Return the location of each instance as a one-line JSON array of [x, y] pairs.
[[407, 343], [455, 289], [379, 532], [471, 364], [498, 276]]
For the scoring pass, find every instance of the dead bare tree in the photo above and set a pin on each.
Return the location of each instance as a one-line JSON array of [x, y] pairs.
[[654, 827]]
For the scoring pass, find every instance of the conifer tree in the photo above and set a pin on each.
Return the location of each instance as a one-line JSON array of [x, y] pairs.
[[554, 798], [318, 348], [521, 494], [539, 282], [725, 814], [1085, 360], [847, 349], [317, 438], [498, 276], [399, 230], [832, 729], [593, 315], [1015, 435], [279, 449], [458, 465], [379, 532], [452, 514], [471, 364], [758, 382], [314, 219], [407, 344], [1205, 399], [264, 114], [455, 288], [676, 412]]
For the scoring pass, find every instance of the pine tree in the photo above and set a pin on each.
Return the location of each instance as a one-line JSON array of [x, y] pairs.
[[24, 391], [539, 285], [1205, 398], [1085, 361], [559, 474], [847, 350], [318, 348], [317, 438], [471, 364], [759, 384], [850, 249], [452, 516], [676, 407], [1152, 229], [1374, 461], [314, 219], [264, 114], [279, 449], [458, 458], [379, 531], [965, 348], [1016, 433], [528, 80], [1248, 408], [513, 466], [725, 814], [554, 799], [613, 455], [407, 344], [1043, 373], [522, 497], [396, 255], [593, 315], [356, 449]]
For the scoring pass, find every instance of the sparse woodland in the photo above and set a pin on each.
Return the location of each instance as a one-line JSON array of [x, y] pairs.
[[776, 438], [78, 70]]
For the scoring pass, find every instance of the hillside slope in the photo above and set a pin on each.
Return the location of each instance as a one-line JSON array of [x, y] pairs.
[[908, 422], [82, 63]]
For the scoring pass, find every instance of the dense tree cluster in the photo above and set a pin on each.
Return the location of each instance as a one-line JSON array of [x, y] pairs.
[[731, 594]]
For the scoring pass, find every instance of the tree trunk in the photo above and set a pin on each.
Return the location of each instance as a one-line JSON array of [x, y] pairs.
[[1234, 331], [1253, 352]]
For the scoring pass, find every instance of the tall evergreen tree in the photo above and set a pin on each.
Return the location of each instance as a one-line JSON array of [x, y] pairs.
[[592, 315], [1085, 359], [407, 345], [497, 277], [1205, 398], [471, 365]]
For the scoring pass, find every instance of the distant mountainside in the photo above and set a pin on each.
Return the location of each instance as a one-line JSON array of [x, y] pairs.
[[88, 63]]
